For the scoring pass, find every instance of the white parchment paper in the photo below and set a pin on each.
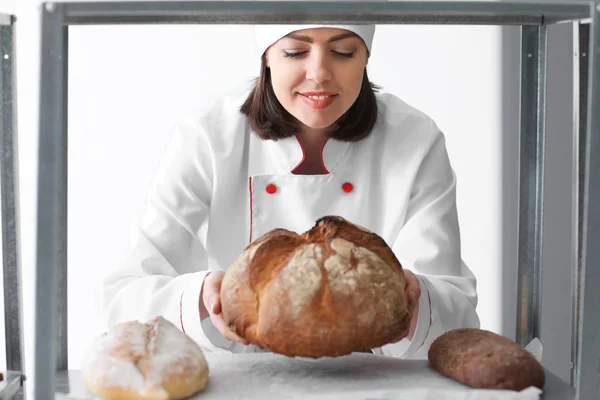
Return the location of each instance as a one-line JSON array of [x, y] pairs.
[[359, 376]]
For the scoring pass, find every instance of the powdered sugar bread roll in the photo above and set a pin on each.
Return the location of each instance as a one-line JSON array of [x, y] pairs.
[[137, 361]]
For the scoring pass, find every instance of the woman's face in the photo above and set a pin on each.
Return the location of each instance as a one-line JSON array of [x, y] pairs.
[[317, 73]]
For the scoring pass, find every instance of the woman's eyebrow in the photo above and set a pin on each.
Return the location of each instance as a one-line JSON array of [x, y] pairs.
[[332, 39]]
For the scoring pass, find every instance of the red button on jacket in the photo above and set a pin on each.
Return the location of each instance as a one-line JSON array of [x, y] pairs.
[[271, 188], [347, 187]]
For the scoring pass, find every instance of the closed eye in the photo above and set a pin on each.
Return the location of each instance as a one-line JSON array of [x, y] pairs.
[[346, 55], [288, 54]]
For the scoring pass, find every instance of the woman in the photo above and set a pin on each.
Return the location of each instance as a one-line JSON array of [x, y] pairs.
[[310, 139]]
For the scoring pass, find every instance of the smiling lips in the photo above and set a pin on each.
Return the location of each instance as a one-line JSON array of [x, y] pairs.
[[318, 100]]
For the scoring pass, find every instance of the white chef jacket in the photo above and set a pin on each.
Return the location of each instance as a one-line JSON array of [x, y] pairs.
[[219, 187]]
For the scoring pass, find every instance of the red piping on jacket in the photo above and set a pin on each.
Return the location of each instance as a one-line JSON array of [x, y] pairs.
[[430, 317], [430, 312], [181, 312], [322, 159], [250, 188]]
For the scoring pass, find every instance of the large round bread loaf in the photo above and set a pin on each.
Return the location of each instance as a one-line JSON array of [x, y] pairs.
[[485, 360], [330, 291], [135, 361]]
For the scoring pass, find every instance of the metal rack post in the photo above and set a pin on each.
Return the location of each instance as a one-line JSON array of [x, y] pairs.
[[12, 386], [531, 185], [50, 304], [532, 15], [587, 379], [581, 39]]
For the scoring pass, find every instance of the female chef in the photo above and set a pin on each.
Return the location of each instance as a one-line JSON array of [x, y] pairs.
[[311, 138]]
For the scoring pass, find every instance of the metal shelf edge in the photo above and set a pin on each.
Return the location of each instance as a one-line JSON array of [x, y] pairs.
[[10, 385], [7, 19], [422, 12]]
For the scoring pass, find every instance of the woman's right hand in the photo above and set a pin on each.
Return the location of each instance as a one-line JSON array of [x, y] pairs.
[[211, 299]]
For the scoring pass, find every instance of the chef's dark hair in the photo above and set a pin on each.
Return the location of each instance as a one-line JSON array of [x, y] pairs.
[[270, 120]]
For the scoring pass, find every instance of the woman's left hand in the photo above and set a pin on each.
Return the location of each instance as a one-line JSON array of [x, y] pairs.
[[413, 293]]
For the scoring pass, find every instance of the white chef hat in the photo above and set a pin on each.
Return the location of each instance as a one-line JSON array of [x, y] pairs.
[[266, 35]]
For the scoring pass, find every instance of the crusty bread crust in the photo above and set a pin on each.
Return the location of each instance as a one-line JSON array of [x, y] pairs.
[[330, 291], [135, 361], [485, 360]]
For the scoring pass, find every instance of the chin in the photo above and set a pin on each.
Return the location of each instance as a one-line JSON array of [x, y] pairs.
[[318, 123]]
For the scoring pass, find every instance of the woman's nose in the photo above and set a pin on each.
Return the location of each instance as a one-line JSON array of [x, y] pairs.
[[318, 69]]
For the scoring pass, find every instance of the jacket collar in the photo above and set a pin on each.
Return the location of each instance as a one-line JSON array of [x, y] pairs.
[[291, 154]]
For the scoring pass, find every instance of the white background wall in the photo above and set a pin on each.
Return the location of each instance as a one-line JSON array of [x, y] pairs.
[[129, 86]]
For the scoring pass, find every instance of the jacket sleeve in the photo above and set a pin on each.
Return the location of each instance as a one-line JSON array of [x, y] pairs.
[[165, 267], [429, 245]]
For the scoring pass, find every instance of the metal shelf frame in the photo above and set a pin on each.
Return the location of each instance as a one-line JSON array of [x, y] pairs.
[[533, 16], [12, 385]]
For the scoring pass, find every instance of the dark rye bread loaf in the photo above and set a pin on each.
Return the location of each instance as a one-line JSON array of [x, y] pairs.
[[485, 360]]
